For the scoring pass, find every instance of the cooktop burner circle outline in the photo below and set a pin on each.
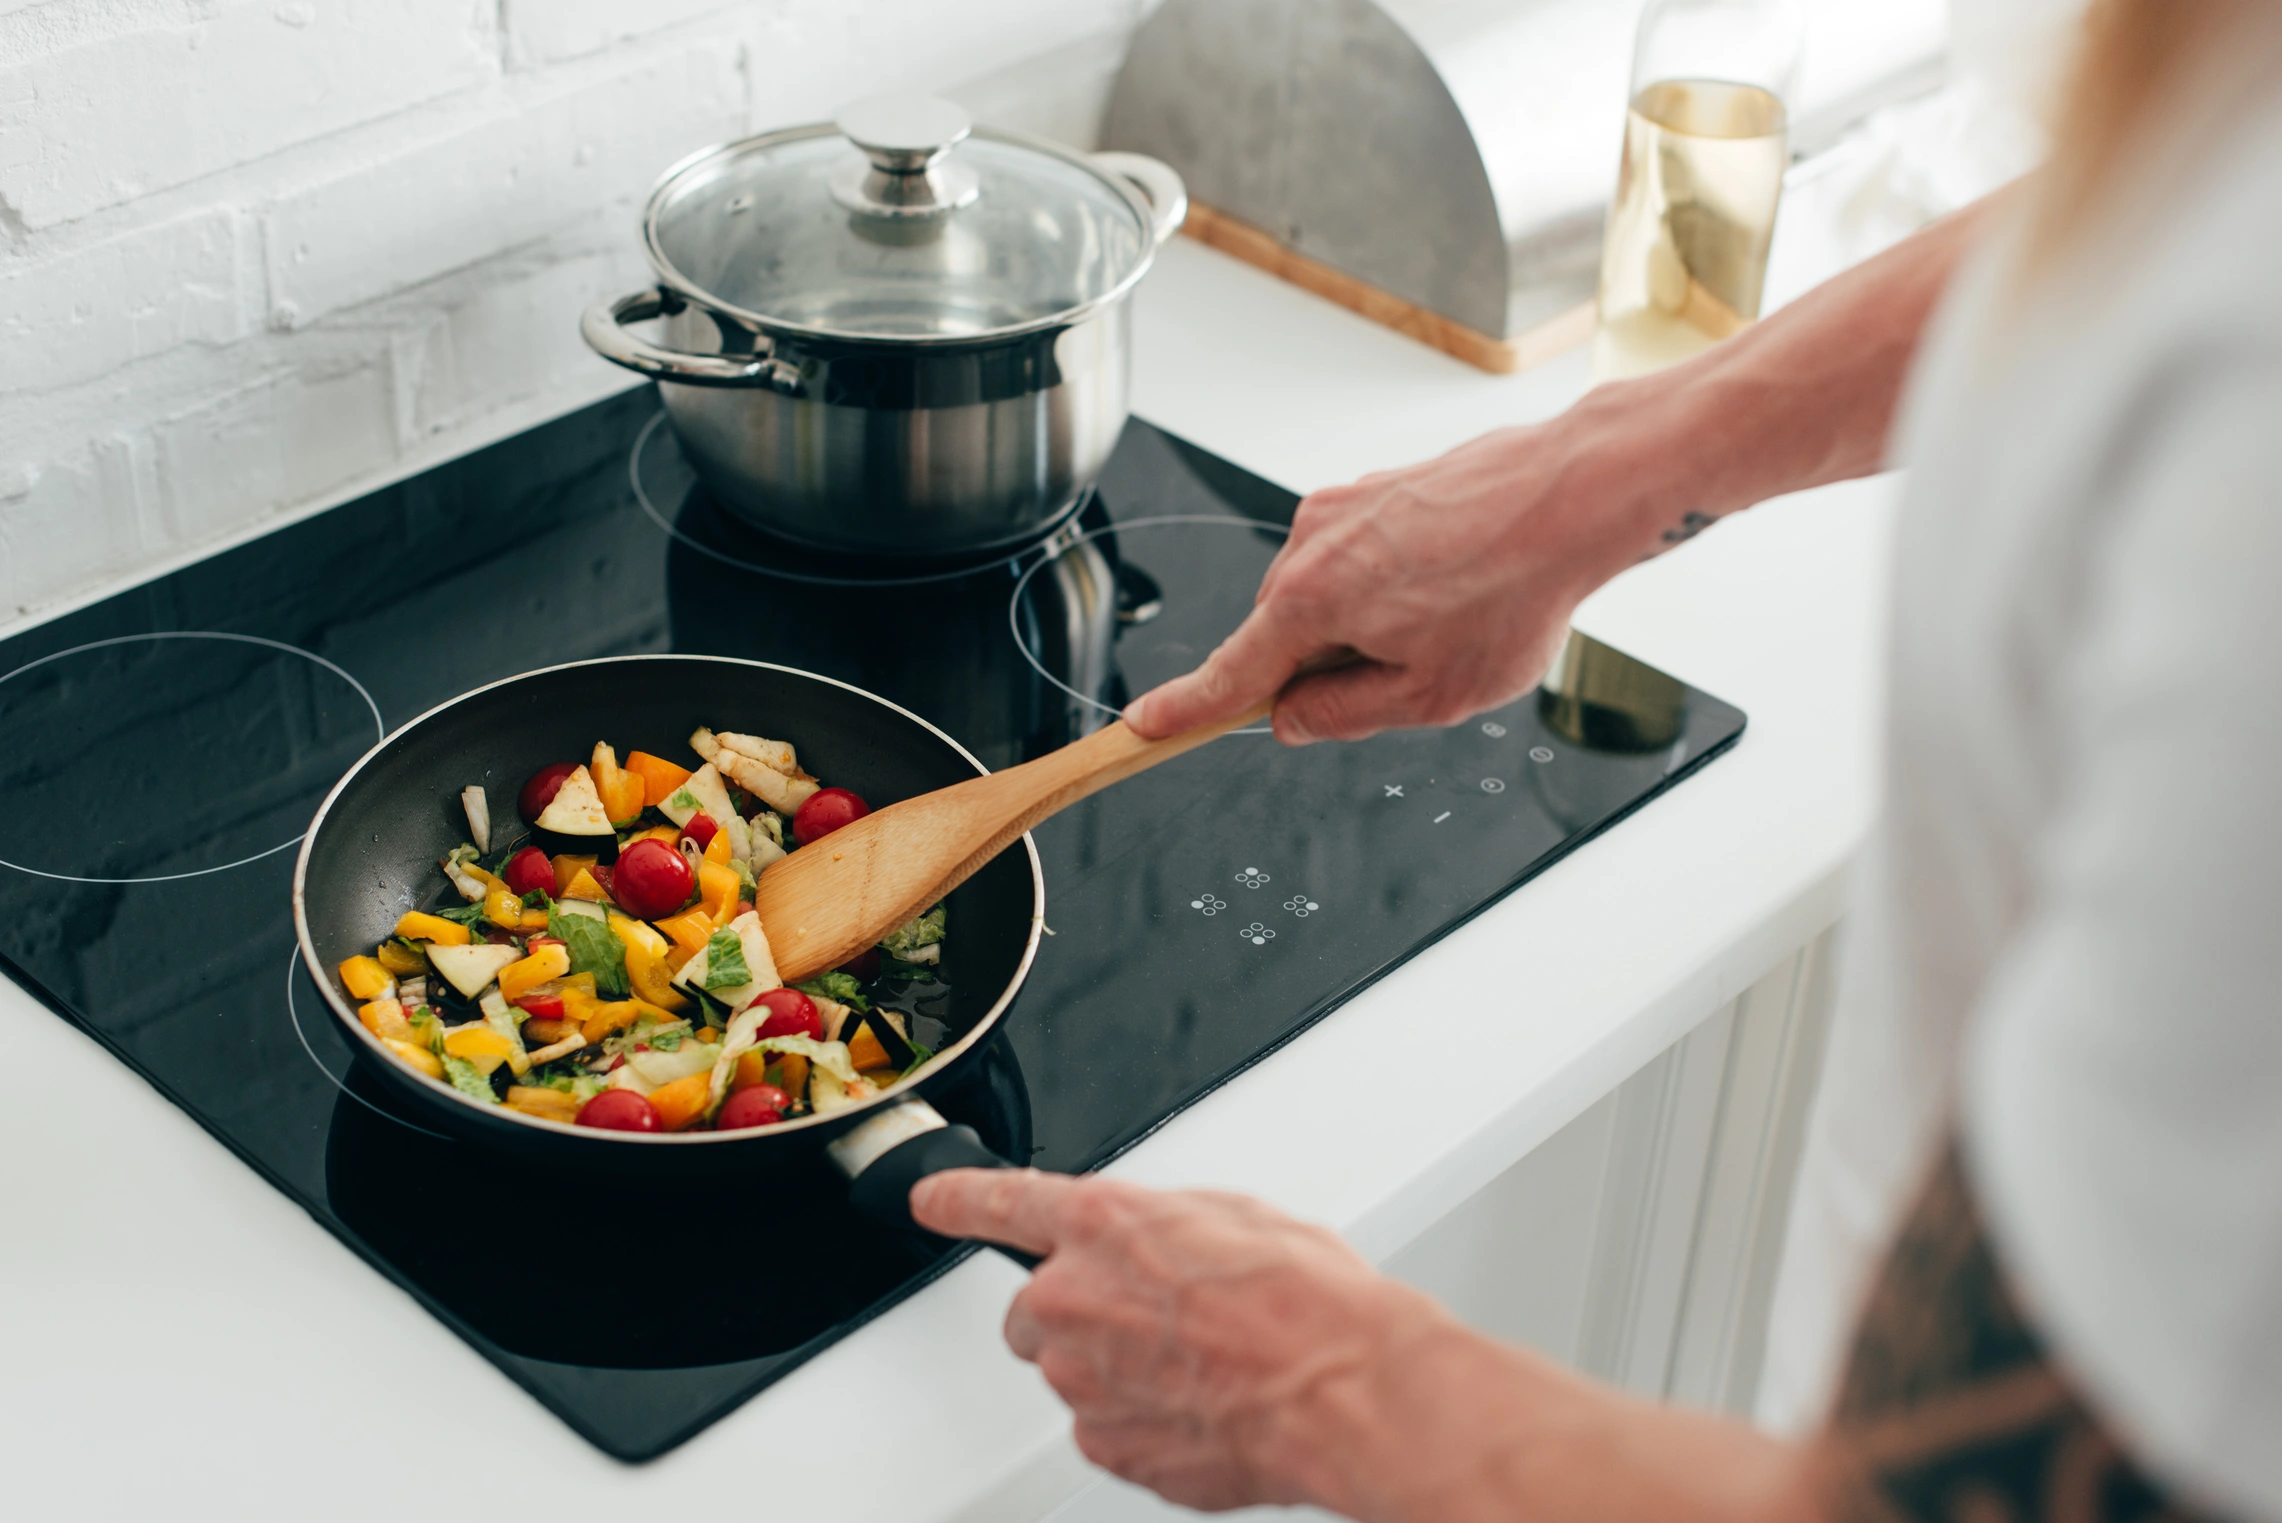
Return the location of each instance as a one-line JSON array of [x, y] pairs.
[[293, 1014], [656, 515], [1062, 548], [379, 728]]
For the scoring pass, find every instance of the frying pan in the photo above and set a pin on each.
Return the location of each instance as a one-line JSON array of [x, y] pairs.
[[372, 851]]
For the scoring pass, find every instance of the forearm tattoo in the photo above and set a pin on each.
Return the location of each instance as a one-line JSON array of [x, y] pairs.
[[1950, 1408]]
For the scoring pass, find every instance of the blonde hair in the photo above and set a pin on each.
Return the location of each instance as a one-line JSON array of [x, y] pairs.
[[2141, 67]]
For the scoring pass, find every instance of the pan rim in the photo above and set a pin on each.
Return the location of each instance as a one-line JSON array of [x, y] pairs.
[[900, 1093]]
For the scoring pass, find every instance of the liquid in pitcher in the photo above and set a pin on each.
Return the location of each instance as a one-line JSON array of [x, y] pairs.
[[1685, 258]]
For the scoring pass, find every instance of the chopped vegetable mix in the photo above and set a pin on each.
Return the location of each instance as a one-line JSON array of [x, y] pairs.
[[607, 968]]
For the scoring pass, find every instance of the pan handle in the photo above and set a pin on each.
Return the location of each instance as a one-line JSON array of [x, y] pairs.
[[893, 1151], [603, 326]]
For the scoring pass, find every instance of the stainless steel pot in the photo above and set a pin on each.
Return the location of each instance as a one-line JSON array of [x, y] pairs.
[[895, 333]]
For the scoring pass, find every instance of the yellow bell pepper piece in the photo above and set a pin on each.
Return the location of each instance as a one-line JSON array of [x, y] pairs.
[[479, 1045], [651, 978], [535, 1100], [415, 1056], [583, 887], [520, 978], [690, 930], [632, 931], [418, 927], [533, 920], [396, 958], [717, 849], [364, 977], [669, 834], [384, 1018], [718, 886], [623, 794]]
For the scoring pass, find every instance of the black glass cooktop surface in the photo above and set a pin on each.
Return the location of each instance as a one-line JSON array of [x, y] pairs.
[[160, 753]]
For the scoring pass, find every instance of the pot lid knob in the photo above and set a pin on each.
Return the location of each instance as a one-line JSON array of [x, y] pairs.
[[907, 139]]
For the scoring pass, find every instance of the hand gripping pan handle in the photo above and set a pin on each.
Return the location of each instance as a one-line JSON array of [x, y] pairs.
[[887, 1155]]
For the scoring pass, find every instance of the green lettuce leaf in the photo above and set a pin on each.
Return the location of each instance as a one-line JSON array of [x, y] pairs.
[[832, 1057], [725, 961], [593, 948], [470, 915], [923, 932], [838, 986], [468, 1081]]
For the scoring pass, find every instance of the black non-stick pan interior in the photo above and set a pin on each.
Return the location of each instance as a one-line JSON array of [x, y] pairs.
[[373, 854]]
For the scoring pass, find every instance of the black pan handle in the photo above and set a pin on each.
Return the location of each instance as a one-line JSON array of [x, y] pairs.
[[883, 1190]]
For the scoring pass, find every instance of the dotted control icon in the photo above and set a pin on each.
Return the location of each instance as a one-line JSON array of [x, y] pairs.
[[1208, 904], [1257, 934], [1251, 877], [1301, 905]]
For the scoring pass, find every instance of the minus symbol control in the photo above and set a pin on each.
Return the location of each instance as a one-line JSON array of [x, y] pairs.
[[1444, 815]]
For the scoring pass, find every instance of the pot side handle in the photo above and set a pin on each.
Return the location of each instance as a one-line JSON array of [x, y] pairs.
[[603, 326], [1159, 183]]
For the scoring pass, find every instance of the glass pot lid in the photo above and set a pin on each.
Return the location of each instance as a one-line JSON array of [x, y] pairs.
[[899, 222]]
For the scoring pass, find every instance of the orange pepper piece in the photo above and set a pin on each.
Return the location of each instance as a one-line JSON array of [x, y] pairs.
[[691, 929], [520, 978], [659, 777], [567, 869], [717, 849], [583, 887], [683, 1101], [601, 1020], [364, 977], [534, 1100]]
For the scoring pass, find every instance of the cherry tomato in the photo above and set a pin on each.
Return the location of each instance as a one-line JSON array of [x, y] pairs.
[[827, 810], [620, 1110], [863, 967], [701, 829], [529, 871], [791, 1013], [546, 1007], [652, 880], [761, 1105], [540, 791]]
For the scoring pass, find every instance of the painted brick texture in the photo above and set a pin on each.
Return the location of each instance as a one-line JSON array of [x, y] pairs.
[[257, 256]]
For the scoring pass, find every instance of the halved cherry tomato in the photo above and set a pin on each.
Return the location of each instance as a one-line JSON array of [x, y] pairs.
[[827, 810], [758, 1105], [540, 791], [701, 829], [529, 871], [652, 880], [791, 1013], [547, 1007], [621, 1110]]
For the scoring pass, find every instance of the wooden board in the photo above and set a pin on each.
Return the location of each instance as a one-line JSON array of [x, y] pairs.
[[1500, 356]]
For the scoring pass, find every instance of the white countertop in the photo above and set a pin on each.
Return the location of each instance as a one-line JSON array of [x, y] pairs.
[[176, 1335]]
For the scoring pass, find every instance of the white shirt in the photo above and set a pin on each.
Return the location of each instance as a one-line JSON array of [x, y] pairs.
[[2068, 935]]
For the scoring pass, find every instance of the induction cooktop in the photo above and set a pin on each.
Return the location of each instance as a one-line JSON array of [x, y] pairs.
[[162, 751]]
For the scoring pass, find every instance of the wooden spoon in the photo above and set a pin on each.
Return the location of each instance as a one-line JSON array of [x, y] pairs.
[[827, 902]]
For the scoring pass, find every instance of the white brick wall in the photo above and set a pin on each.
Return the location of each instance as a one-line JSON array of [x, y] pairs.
[[258, 254]]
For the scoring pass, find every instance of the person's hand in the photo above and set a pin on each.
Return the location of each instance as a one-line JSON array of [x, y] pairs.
[[1211, 1348], [1454, 579]]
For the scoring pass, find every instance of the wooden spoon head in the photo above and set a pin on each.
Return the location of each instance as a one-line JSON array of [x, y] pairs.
[[832, 899]]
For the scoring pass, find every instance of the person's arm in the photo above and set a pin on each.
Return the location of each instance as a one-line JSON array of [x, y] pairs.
[[1224, 1355], [1456, 577]]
